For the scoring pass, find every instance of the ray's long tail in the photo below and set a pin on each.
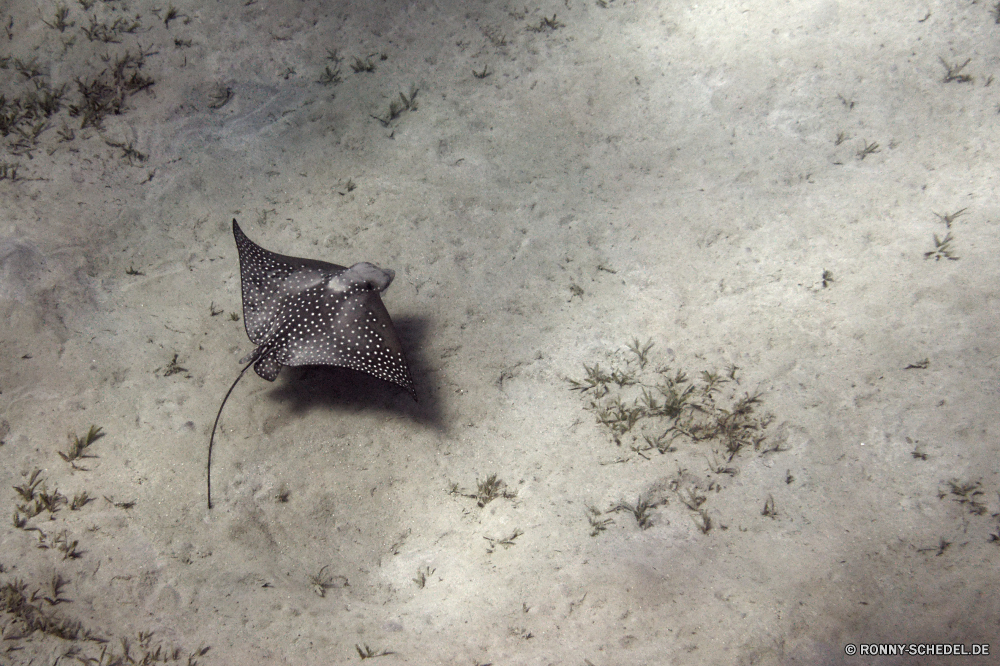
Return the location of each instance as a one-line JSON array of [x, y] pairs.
[[211, 440]]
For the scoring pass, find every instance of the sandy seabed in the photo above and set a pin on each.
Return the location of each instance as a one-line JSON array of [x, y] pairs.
[[804, 191]]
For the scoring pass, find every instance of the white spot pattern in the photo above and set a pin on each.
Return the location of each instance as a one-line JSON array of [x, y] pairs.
[[310, 312]]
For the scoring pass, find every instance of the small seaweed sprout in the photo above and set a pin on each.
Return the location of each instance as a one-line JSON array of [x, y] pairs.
[[641, 351], [80, 500], [490, 488], [78, 445], [596, 380], [769, 509], [868, 149], [948, 218], [703, 521], [597, 524], [330, 76], [321, 581], [368, 653], [942, 249], [422, 575], [640, 510], [27, 491], [953, 73], [360, 65]]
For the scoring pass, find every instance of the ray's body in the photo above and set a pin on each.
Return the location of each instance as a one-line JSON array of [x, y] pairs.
[[310, 312]]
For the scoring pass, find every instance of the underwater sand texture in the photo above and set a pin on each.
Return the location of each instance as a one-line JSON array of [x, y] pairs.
[[768, 187]]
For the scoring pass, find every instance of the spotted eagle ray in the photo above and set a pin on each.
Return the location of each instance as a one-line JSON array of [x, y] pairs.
[[310, 312]]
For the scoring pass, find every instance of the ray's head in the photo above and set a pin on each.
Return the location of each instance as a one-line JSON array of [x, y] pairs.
[[362, 276]]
